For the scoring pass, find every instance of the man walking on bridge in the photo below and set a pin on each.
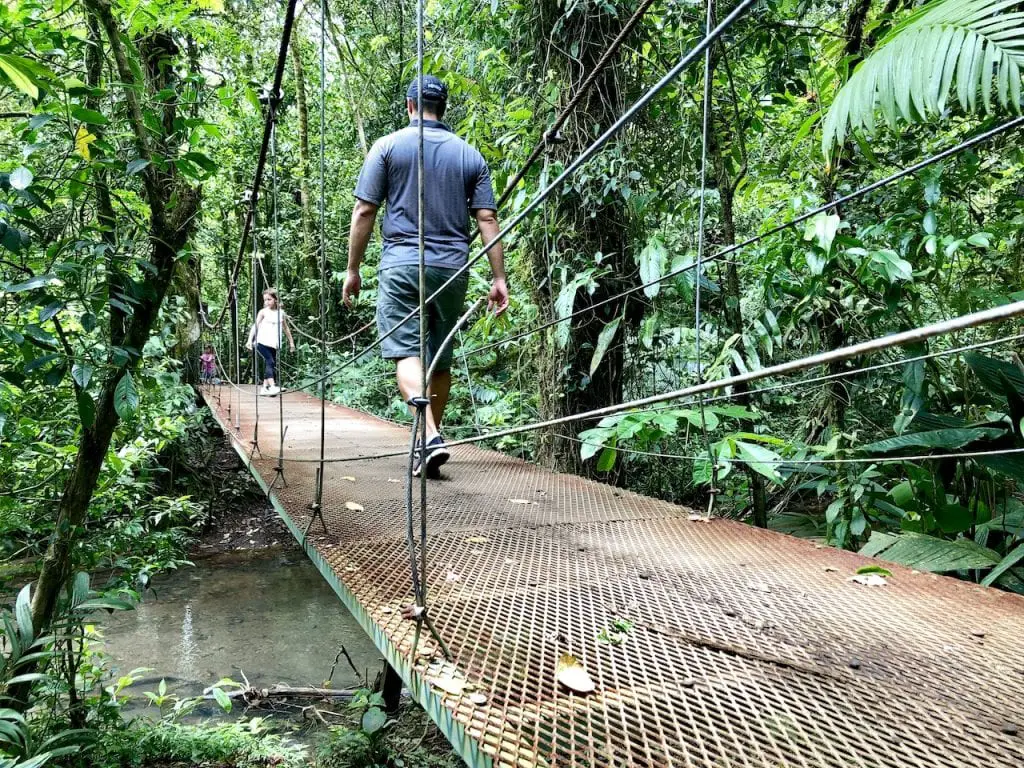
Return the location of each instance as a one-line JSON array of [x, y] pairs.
[[457, 183]]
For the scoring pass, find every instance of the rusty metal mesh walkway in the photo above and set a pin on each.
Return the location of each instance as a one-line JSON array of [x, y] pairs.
[[747, 647]]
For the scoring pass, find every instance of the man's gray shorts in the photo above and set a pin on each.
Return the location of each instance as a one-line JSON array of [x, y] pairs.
[[398, 294]]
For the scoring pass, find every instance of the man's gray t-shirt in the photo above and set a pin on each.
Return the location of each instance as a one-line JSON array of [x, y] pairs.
[[456, 180]]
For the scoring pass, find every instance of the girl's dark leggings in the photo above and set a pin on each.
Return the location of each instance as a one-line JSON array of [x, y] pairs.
[[269, 355]]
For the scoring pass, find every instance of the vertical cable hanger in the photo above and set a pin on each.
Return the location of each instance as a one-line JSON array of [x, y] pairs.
[[318, 499], [699, 273], [233, 350], [420, 404], [255, 450], [281, 429]]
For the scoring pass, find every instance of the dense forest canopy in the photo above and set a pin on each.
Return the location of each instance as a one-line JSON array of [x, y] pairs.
[[130, 131]]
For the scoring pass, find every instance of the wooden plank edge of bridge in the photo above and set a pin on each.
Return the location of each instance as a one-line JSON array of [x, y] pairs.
[[421, 691]]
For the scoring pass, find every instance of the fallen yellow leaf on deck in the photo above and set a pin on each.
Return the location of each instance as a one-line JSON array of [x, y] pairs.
[[477, 698], [351, 505], [477, 540], [521, 501], [349, 478], [571, 674]]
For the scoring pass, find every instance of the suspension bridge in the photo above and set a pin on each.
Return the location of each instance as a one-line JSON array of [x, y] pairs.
[[543, 619]]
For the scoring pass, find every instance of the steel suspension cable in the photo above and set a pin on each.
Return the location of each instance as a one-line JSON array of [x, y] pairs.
[[280, 314], [995, 314], [815, 380], [705, 128], [322, 237], [253, 334], [565, 114], [589, 152], [261, 160], [981, 138], [574, 102], [421, 598], [803, 461], [591, 415]]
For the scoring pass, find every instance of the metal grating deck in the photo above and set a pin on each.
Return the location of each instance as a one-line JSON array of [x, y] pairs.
[[749, 648]]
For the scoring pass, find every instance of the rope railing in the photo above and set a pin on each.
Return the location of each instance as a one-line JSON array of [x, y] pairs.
[[883, 343], [922, 333], [801, 462]]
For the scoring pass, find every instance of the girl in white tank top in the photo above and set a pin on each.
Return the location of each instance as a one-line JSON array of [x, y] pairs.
[[271, 323]]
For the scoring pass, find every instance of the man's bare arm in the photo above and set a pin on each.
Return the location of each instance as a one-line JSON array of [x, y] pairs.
[[364, 214], [497, 299]]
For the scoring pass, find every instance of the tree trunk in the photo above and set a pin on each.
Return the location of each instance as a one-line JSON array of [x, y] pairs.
[[721, 134], [585, 229], [104, 207], [169, 232], [731, 296], [310, 245], [345, 53], [830, 413]]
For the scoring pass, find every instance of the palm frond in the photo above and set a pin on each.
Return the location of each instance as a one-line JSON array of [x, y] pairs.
[[966, 44]]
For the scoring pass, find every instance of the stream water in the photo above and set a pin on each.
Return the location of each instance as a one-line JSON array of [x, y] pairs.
[[269, 615]]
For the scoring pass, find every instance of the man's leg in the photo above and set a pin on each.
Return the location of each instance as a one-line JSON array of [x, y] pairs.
[[440, 386], [410, 383]]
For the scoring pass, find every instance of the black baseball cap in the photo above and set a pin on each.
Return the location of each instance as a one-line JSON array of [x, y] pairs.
[[434, 90]]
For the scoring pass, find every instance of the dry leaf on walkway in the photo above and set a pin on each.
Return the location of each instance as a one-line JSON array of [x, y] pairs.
[[698, 519], [393, 480], [870, 580], [571, 674], [448, 684], [477, 698], [351, 505], [453, 576], [349, 478], [521, 501], [477, 540]]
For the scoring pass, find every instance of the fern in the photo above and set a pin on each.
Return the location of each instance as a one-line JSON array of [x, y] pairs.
[[969, 43]]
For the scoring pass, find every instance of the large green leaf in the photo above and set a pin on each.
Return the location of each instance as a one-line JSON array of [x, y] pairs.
[[126, 397], [910, 76], [604, 341], [1009, 521], [928, 553], [652, 265], [760, 459], [19, 72], [1009, 464], [947, 439], [998, 377], [1004, 565]]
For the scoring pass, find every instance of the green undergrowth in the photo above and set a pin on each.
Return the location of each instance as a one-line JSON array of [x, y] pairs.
[[242, 744]]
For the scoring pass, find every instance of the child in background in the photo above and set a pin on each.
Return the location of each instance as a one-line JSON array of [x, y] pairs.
[[266, 332], [207, 365]]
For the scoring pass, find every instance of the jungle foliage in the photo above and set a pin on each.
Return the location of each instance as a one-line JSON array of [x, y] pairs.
[[129, 130]]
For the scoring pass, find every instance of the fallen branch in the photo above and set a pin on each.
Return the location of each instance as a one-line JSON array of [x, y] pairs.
[[252, 695]]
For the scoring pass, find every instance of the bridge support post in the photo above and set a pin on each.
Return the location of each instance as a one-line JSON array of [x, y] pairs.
[[389, 685]]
